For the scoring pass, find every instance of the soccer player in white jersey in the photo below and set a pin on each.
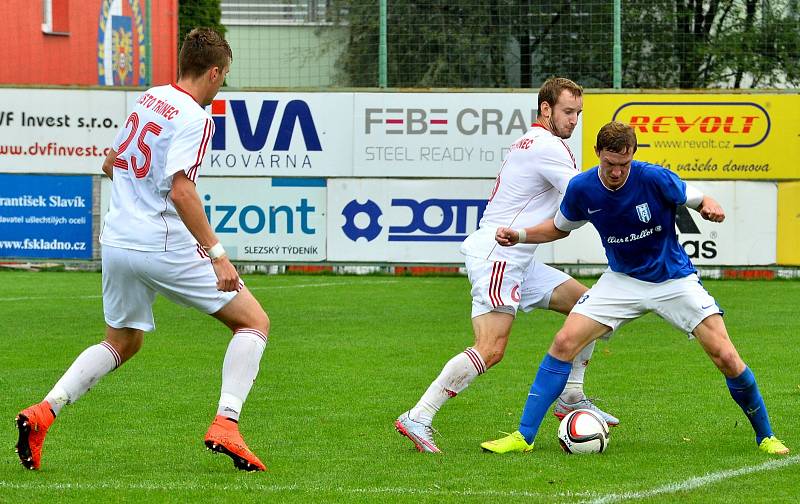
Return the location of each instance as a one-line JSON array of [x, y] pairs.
[[156, 239], [527, 190], [633, 206]]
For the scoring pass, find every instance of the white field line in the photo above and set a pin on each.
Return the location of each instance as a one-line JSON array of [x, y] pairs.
[[264, 287], [697, 482]]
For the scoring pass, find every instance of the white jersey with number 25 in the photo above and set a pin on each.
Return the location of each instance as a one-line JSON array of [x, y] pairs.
[[166, 132], [527, 191]]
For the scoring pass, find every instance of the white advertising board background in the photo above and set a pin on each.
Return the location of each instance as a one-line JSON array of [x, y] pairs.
[[281, 134], [746, 237], [392, 220], [57, 130], [423, 221], [437, 135], [457, 135], [267, 219]]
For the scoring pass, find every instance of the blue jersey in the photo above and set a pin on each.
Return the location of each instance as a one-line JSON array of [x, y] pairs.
[[636, 222]]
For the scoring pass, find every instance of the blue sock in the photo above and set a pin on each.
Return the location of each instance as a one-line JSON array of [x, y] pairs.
[[744, 391], [550, 381]]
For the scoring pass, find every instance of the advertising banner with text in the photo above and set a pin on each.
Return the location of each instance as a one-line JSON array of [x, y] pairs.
[[413, 221], [281, 134], [746, 237], [705, 136], [445, 135], [57, 130], [425, 221], [267, 219], [46, 217]]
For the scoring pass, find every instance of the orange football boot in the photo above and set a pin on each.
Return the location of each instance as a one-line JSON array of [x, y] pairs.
[[32, 423], [223, 437]]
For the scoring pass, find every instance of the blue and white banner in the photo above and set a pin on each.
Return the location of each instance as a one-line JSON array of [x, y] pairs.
[[408, 221], [267, 219], [281, 134], [46, 216]]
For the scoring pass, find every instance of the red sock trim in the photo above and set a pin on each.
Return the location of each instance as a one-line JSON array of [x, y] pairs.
[[476, 360], [254, 332]]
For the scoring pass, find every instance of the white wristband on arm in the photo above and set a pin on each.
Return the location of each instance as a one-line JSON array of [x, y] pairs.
[[522, 235], [694, 197], [216, 251]]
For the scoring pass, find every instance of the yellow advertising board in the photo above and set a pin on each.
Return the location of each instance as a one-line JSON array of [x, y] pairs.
[[705, 136]]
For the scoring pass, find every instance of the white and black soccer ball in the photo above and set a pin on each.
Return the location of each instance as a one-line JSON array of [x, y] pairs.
[[583, 431]]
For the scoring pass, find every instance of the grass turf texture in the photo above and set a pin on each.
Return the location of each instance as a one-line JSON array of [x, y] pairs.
[[346, 356]]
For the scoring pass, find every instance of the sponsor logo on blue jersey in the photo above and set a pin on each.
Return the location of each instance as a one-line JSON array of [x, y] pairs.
[[644, 212]]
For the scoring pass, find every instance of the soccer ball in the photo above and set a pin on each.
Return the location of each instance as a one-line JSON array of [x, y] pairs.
[[583, 431]]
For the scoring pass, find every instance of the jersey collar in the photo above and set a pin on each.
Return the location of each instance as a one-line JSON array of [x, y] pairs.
[[618, 188], [184, 92]]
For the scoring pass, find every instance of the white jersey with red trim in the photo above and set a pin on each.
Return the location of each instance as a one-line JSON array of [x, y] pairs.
[[527, 191], [166, 132]]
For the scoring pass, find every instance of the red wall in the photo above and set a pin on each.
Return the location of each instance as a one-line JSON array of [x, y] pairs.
[[30, 56]]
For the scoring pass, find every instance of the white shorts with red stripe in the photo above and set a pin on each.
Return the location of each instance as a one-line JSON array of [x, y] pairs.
[[132, 278], [506, 287]]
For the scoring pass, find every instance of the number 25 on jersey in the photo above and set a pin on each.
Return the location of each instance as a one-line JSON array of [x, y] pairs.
[[141, 146]]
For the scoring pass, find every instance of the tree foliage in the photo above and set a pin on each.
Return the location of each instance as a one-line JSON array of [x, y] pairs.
[[194, 13], [520, 43]]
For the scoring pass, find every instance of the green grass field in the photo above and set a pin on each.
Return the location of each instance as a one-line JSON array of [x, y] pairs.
[[346, 356]]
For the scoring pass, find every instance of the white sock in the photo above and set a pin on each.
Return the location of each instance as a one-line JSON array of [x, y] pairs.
[[92, 364], [456, 375], [239, 370], [573, 392]]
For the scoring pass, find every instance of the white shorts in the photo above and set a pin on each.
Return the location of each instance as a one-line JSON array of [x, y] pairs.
[[131, 279], [616, 299], [505, 287]]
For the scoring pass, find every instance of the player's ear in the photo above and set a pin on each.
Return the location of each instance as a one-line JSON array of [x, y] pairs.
[[214, 73], [597, 151], [546, 109]]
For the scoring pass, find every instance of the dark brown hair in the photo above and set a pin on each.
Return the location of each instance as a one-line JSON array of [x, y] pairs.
[[203, 48], [552, 88], [616, 137]]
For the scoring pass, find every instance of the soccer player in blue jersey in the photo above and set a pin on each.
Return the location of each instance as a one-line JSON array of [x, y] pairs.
[[632, 205]]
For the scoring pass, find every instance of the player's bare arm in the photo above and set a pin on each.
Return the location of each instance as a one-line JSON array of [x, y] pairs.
[[190, 209], [108, 163], [711, 210], [541, 233]]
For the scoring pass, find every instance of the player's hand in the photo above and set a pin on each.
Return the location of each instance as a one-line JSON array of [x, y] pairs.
[[506, 237], [710, 210], [227, 276]]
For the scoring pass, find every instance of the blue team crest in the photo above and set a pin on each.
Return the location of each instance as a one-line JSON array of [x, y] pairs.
[[644, 212]]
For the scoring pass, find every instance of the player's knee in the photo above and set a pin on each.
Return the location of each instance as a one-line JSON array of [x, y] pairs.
[[254, 317], [265, 322], [564, 346], [261, 321], [729, 362]]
